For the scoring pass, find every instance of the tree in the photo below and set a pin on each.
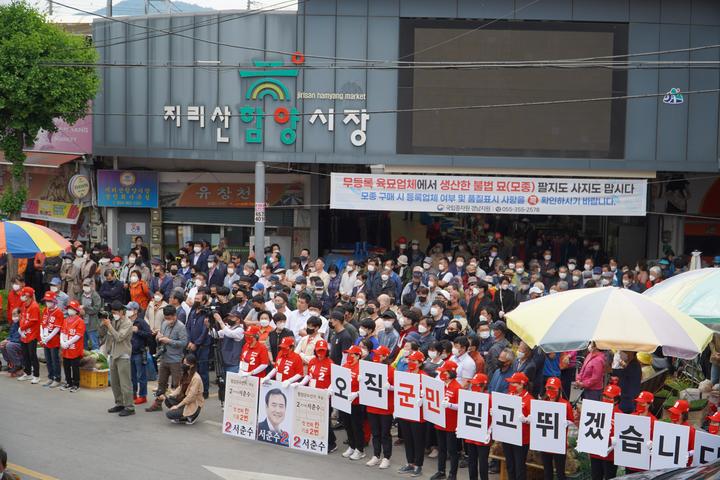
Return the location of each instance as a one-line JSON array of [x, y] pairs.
[[45, 73]]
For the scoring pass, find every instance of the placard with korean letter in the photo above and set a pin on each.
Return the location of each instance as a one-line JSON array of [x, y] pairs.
[[473, 415], [670, 446], [310, 428], [341, 385], [240, 409], [707, 448], [632, 434], [373, 384], [506, 415], [407, 394], [433, 395], [548, 426], [595, 424]]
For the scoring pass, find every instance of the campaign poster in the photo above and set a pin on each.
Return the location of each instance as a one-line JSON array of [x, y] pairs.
[[341, 379], [670, 446], [632, 435], [408, 403], [506, 415], [548, 427], [240, 410], [312, 414], [433, 395], [373, 382], [707, 448], [276, 413], [594, 430], [473, 416]]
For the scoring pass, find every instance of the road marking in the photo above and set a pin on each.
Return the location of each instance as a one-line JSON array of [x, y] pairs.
[[230, 474], [212, 422], [32, 473]]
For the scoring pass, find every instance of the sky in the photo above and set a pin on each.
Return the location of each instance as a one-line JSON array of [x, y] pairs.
[[92, 5]]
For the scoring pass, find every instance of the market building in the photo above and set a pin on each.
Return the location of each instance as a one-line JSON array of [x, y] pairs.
[[301, 95]]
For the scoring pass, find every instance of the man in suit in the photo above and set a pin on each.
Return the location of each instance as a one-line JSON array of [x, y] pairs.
[[270, 430], [215, 273], [199, 257]]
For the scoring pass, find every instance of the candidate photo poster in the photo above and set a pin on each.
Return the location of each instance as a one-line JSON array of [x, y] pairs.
[[594, 430], [240, 409], [548, 427], [433, 395], [707, 448], [276, 413], [341, 379], [632, 434], [473, 416], [670, 446], [312, 414], [374, 384], [506, 415], [407, 401]]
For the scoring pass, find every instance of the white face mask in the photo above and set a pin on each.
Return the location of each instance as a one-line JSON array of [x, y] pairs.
[[596, 277], [129, 313], [349, 268], [87, 289], [571, 266], [211, 265], [264, 323], [183, 264], [158, 298], [199, 283], [371, 268], [280, 325], [116, 264], [605, 282], [360, 302], [504, 286], [562, 275], [511, 266], [197, 249], [16, 287], [133, 279], [475, 291], [613, 268], [426, 266], [493, 254], [434, 311], [652, 278], [422, 329], [71, 312], [384, 278], [520, 355], [576, 278], [547, 257], [362, 332], [482, 318], [459, 264], [520, 270], [432, 355], [116, 316], [388, 324], [588, 266], [431, 284], [231, 271], [53, 289], [455, 351], [299, 287], [131, 260], [484, 335], [626, 283]]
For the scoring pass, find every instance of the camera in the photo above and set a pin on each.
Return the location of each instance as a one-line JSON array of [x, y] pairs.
[[161, 349], [106, 312]]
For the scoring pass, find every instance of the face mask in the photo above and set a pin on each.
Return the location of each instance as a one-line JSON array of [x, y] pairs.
[[713, 429], [53, 289], [130, 313], [552, 394], [562, 275], [520, 270], [303, 258], [388, 324], [364, 352], [133, 279], [183, 264], [360, 302], [371, 268], [298, 287], [197, 249], [626, 283], [596, 247], [23, 298], [504, 286], [158, 298], [264, 323], [588, 266], [231, 271], [520, 355], [87, 289], [674, 418], [412, 365], [434, 311], [475, 291], [16, 287], [605, 282], [455, 351], [431, 284], [511, 266], [80, 253], [426, 266], [384, 278], [280, 325], [459, 264], [116, 316], [493, 254], [131, 260], [576, 278], [512, 389], [362, 332], [104, 261], [71, 312], [485, 335], [50, 305], [432, 354], [652, 278], [210, 265], [422, 329], [571, 266], [613, 268], [349, 268], [596, 277], [547, 257]]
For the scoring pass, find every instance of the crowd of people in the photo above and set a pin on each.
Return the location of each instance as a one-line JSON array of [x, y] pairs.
[[439, 311]]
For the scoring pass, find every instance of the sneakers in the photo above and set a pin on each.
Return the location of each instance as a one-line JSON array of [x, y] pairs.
[[24, 377], [65, 387], [116, 409], [126, 412], [140, 400], [35, 380], [433, 453], [48, 383], [73, 389], [406, 469], [438, 476], [191, 420], [348, 452], [155, 407], [357, 455], [385, 463], [417, 471], [373, 461], [55, 384], [332, 449]]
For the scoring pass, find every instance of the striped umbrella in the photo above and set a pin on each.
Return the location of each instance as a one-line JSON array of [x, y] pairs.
[[695, 292], [614, 318], [25, 239]]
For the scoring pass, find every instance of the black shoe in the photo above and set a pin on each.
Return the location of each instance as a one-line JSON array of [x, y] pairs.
[[332, 449], [126, 412], [451, 477], [206, 395], [406, 469], [494, 469], [438, 476], [417, 471], [116, 409], [462, 463]]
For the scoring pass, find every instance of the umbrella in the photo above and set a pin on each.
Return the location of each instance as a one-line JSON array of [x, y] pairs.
[[695, 260], [614, 318], [695, 292], [25, 239]]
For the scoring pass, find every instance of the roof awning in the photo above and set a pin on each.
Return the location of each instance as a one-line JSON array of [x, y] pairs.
[[43, 159]]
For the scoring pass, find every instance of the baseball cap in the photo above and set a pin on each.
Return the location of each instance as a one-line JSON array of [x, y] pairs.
[[611, 391], [680, 407], [388, 314], [117, 306], [715, 417], [472, 281], [258, 287], [478, 379], [417, 269], [50, 296], [252, 330], [55, 282], [74, 304], [447, 366], [597, 271], [300, 279], [382, 350], [27, 291], [518, 377], [553, 383], [536, 290], [416, 356], [132, 306], [356, 350], [321, 345], [498, 325], [87, 281], [645, 397], [403, 260], [116, 259], [274, 278]]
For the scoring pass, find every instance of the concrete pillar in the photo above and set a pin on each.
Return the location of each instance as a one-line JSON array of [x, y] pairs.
[[259, 211]]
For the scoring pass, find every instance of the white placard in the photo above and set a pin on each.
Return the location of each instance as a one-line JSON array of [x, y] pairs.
[[407, 394], [506, 415], [240, 408], [707, 448], [548, 426], [310, 430], [341, 385], [486, 194], [473, 415], [433, 395], [373, 384], [670, 446], [632, 433], [595, 425]]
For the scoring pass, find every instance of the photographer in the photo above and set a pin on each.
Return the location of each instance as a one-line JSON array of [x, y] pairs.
[[197, 334], [231, 335], [171, 340]]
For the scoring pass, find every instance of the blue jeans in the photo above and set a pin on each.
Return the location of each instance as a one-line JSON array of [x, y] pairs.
[[714, 373], [52, 358], [139, 374], [92, 340], [232, 368], [203, 355]]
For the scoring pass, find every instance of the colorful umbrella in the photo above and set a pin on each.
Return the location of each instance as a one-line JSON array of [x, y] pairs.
[[25, 239], [696, 292], [614, 318]]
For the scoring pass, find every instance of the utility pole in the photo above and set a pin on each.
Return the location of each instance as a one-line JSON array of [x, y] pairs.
[[50, 7], [109, 8]]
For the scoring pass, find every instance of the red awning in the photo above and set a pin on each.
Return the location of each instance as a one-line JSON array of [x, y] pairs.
[[43, 159]]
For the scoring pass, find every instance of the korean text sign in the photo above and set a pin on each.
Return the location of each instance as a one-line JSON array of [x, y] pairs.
[[240, 412], [486, 194], [310, 430], [670, 446], [548, 426], [374, 384], [125, 188], [707, 448], [595, 424], [632, 435], [341, 385], [473, 415], [433, 395], [407, 396], [506, 415]]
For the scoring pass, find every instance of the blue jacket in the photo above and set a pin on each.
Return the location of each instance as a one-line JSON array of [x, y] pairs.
[[165, 286], [196, 329], [14, 335], [140, 338], [112, 291], [498, 383]]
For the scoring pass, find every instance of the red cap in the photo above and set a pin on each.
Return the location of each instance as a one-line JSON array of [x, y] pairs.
[[116, 259], [321, 345], [287, 342], [382, 350], [612, 391], [29, 291], [416, 356], [645, 397], [356, 350], [252, 330], [715, 417], [50, 296], [553, 383], [448, 366], [518, 377], [402, 240], [75, 305], [680, 407], [478, 379]]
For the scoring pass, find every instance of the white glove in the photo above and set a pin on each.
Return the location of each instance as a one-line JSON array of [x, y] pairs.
[[295, 385], [330, 390], [569, 423], [445, 404], [244, 374], [487, 438], [501, 314], [286, 384], [266, 381], [353, 396], [525, 419], [649, 445], [418, 402]]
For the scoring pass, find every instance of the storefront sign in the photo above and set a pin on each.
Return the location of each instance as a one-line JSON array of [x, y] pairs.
[[79, 186], [75, 138], [234, 195], [512, 195], [135, 228], [49, 211], [118, 188]]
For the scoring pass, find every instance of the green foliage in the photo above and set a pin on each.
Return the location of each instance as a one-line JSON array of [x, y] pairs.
[[34, 90]]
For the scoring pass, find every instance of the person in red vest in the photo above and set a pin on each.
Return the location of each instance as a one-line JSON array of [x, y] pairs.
[[446, 437], [289, 365], [714, 423], [679, 416], [604, 467], [553, 393], [71, 342], [478, 452], [29, 334], [13, 296], [413, 433], [516, 455], [643, 402], [381, 419], [319, 376], [254, 358], [50, 325], [354, 420]]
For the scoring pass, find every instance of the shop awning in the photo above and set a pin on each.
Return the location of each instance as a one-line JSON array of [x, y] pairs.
[[43, 159]]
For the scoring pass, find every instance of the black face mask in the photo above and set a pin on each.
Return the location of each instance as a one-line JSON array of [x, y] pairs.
[[157, 274], [422, 299], [186, 368], [258, 309], [452, 335], [310, 331], [173, 271]]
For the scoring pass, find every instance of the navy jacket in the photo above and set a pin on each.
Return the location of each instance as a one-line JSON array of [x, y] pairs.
[[165, 286], [140, 338], [196, 329], [111, 291]]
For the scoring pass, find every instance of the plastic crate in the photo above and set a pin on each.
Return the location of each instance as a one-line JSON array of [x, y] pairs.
[[94, 379]]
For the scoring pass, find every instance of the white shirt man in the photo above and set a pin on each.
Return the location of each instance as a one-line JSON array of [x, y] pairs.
[[347, 281], [297, 319]]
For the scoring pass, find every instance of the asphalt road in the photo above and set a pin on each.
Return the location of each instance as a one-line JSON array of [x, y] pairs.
[[50, 434]]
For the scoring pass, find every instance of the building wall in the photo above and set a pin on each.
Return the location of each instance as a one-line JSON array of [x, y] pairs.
[[658, 137]]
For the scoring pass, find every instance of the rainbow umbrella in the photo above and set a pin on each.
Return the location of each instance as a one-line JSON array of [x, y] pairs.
[[614, 318], [695, 292], [25, 239]]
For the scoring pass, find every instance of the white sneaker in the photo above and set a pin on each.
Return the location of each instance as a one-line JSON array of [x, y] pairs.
[[385, 463], [35, 380], [357, 455], [55, 384], [24, 377], [373, 461], [348, 452]]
